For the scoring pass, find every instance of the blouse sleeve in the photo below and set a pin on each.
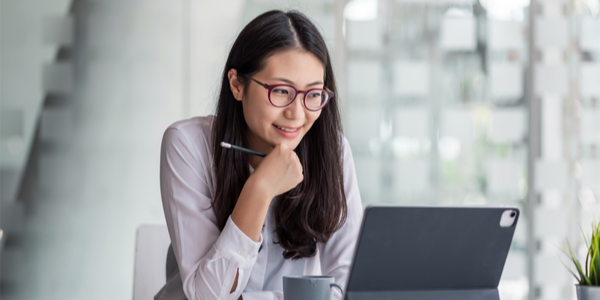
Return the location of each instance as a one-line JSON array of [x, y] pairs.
[[336, 254], [208, 259]]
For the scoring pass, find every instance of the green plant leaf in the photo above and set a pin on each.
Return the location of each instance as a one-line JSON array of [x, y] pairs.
[[588, 274], [568, 269], [585, 280], [594, 267], [595, 255], [570, 257], [587, 244]]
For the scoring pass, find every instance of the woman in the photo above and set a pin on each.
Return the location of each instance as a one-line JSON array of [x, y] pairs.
[[238, 223]]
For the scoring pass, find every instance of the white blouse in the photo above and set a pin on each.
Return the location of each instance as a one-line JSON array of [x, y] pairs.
[[208, 258]]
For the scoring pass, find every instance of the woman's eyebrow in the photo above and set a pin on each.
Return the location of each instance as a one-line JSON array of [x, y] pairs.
[[292, 83]]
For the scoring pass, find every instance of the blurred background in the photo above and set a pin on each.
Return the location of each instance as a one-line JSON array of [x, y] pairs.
[[464, 102]]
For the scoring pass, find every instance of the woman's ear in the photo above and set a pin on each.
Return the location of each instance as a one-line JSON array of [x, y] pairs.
[[236, 85]]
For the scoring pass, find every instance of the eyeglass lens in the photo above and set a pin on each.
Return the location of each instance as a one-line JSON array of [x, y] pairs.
[[283, 95]]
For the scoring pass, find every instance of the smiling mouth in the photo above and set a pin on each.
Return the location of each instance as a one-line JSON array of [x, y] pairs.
[[287, 129]]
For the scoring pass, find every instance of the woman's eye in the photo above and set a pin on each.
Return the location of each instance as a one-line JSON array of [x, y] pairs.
[[315, 95], [280, 91]]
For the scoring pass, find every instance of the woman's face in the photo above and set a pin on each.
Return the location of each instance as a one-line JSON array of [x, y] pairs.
[[270, 125]]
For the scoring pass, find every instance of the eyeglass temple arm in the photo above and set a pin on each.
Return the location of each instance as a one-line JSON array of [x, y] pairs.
[[330, 91], [263, 84]]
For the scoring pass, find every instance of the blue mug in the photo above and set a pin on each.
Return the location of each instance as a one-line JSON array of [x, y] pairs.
[[308, 287]]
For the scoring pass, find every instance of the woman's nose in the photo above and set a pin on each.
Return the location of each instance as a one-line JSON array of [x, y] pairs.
[[296, 109]]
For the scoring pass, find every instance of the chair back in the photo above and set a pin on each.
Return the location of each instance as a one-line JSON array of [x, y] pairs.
[[152, 244]]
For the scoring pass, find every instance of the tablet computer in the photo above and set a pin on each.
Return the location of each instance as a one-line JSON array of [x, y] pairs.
[[431, 253]]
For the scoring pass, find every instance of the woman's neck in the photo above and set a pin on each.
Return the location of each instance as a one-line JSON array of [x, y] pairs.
[[254, 160], [257, 145]]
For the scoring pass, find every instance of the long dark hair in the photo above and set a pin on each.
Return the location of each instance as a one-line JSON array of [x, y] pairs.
[[316, 208]]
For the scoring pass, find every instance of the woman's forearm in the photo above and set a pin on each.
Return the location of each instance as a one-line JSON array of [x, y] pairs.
[[249, 214], [251, 209]]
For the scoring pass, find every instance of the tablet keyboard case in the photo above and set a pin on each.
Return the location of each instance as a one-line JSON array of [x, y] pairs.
[[430, 253]]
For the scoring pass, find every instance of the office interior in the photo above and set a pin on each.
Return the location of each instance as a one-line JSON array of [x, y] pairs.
[[444, 102]]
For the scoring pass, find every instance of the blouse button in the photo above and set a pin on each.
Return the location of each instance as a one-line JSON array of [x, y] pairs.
[[244, 253]]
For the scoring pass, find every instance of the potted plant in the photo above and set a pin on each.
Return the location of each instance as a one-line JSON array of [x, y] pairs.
[[588, 275]]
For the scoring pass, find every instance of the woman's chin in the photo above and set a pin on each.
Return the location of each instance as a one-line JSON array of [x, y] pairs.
[[292, 144]]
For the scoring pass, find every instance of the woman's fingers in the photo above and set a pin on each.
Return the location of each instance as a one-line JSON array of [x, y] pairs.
[[281, 170]]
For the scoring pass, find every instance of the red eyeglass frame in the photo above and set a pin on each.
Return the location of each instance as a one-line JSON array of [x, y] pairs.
[[272, 87]]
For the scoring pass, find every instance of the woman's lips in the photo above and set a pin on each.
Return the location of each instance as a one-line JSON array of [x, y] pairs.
[[288, 132]]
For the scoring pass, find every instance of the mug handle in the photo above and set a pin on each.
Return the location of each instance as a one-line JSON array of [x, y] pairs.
[[333, 284]]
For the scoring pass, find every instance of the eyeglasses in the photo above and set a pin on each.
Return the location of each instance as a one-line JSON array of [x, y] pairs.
[[282, 95]]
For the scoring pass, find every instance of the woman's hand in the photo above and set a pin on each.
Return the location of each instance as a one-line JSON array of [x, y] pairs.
[[279, 172]]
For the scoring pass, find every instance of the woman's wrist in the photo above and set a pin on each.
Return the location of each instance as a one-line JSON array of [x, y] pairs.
[[251, 209], [257, 187]]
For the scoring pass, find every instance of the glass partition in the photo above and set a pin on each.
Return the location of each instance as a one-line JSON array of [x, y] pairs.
[[436, 107]]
